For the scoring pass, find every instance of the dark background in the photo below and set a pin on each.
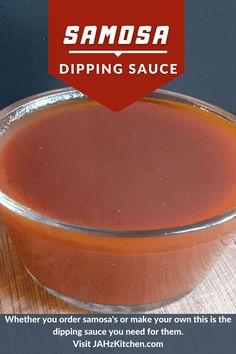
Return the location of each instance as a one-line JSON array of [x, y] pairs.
[[217, 338], [210, 51]]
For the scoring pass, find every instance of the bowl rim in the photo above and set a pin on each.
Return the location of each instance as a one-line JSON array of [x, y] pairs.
[[70, 94]]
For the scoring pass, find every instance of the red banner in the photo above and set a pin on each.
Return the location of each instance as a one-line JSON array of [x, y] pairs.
[[116, 52]]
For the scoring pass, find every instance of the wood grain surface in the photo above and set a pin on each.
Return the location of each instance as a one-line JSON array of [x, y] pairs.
[[19, 294]]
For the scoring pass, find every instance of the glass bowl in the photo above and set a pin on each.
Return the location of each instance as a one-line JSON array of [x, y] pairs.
[[106, 270]]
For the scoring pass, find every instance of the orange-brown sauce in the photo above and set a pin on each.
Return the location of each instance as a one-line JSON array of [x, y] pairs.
[[156, 164], [153, 165]]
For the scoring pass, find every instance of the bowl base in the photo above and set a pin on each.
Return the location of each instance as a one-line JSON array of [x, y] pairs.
[[93, 307]]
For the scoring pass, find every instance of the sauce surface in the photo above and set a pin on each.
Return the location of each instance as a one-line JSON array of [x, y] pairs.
[[153, 165]]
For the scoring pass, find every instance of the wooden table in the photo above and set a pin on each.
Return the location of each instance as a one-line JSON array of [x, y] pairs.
[[19, 294]]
